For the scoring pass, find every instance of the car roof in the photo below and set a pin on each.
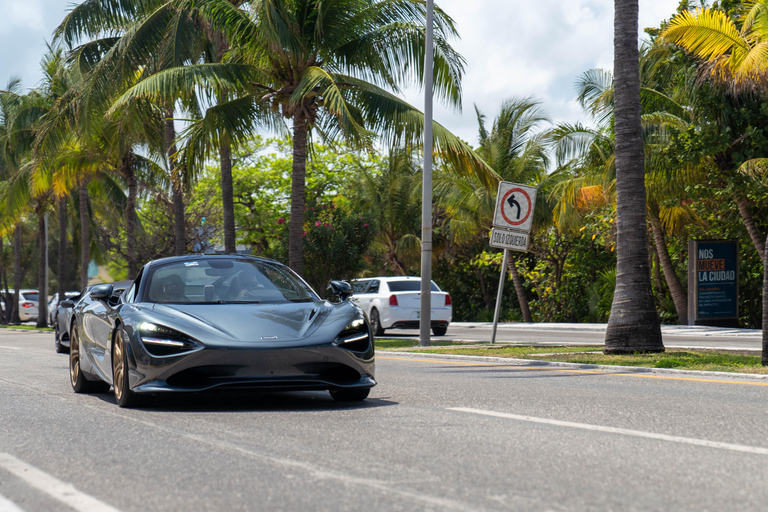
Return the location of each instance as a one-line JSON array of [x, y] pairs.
[[187, 257]]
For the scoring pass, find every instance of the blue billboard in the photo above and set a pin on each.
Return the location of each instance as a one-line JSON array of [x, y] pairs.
[[713, 270]]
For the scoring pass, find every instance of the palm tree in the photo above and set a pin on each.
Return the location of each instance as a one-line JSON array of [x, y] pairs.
[[591, 151], [735, 55], [389, 196], [323, 67], [633, 325], [516, 150], [151, 35]]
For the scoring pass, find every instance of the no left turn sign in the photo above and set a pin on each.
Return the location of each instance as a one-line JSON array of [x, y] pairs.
[[514, 206]]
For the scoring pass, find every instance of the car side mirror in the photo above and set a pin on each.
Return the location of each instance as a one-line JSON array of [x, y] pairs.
[[101, 291], [67, 304], [338, 291]]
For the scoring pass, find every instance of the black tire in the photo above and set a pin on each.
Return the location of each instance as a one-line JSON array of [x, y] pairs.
[[350, 395], [76, 377], [376, 323], [124, 395], [439, 330]]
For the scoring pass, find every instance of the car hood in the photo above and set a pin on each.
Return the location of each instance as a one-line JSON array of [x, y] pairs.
[[248, 322]]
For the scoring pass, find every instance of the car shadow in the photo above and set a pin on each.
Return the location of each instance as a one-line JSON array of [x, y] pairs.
[[252, 401]]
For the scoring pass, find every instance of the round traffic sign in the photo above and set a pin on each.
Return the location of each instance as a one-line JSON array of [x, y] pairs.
[[516, 206]]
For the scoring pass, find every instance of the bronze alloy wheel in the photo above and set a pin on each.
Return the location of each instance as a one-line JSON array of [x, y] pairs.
[[124, 396], [74, 360], [80, 384], [118, 366]]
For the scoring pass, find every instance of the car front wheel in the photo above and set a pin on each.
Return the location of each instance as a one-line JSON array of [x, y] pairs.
[[376, 323], [79, 383], [60, 349], [124, 396]]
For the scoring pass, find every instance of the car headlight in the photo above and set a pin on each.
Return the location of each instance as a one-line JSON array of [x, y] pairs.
[[164, 341], [356, 336]]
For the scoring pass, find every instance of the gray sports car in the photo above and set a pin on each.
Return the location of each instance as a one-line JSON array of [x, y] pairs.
[[197, 323]]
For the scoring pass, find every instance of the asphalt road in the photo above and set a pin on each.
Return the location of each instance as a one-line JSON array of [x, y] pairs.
[[436, 434]]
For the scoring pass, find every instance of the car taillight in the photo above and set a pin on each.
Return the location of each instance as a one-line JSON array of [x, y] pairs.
[[27, 304], [448, 299], [393, 300]]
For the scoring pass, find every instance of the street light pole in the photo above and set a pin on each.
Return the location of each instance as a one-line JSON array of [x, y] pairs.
[[426, 189]]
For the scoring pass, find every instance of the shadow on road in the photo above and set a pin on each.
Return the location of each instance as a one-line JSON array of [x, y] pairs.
[[253, 401]]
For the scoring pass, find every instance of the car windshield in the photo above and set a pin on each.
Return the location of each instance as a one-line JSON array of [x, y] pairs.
[[33, 296], [410, 285], [225, 281]]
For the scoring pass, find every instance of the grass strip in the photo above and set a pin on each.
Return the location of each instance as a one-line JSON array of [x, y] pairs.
[[682, 359], [26, 327]]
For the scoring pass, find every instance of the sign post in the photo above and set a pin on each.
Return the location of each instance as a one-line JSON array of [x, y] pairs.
[[512, 221]]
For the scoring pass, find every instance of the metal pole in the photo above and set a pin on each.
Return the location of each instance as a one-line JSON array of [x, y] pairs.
[[426, 190], [502, 278], [45, 284]]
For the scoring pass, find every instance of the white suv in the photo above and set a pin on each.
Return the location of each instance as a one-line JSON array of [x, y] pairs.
[[395, 303]]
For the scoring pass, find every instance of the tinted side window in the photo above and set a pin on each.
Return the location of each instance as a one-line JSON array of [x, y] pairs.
[[374, 288], [360, 286]]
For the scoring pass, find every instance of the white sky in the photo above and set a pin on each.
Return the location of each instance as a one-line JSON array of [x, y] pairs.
[[513, 49]]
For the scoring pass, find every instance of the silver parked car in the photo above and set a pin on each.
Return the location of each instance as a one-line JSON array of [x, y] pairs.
[[53, 304]]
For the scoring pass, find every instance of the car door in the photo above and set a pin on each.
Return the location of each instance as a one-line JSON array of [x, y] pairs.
[[97, 331], [361, 295]]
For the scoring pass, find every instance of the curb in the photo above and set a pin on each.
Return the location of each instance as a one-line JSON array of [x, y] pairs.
[[580, 366]]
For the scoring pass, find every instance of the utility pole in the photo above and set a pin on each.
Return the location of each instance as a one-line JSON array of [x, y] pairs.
[[426, 189]]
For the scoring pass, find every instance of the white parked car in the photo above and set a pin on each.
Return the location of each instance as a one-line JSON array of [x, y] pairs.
[[395, 303], [28, 304]]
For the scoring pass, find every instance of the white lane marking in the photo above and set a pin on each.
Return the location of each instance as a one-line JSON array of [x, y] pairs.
[[385, 487], [621, 431], [52, 486], [7, 505], [10, 348]]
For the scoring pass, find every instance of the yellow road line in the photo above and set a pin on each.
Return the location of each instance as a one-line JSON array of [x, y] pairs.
[[591, 372]]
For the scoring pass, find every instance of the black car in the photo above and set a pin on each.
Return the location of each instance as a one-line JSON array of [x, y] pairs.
[[204, 322], [63, 316]]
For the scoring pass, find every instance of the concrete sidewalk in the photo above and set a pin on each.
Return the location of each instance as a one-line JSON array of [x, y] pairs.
[[671, 330]]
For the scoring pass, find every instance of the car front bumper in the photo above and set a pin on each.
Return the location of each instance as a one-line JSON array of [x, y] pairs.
[[252, 366]]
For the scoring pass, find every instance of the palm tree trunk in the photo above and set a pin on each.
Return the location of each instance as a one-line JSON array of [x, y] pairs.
[[522, 299], [634, 324], [62, 263], [130, 213], [42, 302], [85, 247], [177, 184], [298, 173], [679, 294], [16, 273], [227, 201], [749, 222]]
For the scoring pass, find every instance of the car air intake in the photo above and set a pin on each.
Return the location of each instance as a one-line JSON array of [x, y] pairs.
[[393, 300]]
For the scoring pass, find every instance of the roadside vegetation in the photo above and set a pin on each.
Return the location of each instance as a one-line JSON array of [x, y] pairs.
[[702, 360], [170, 127]]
